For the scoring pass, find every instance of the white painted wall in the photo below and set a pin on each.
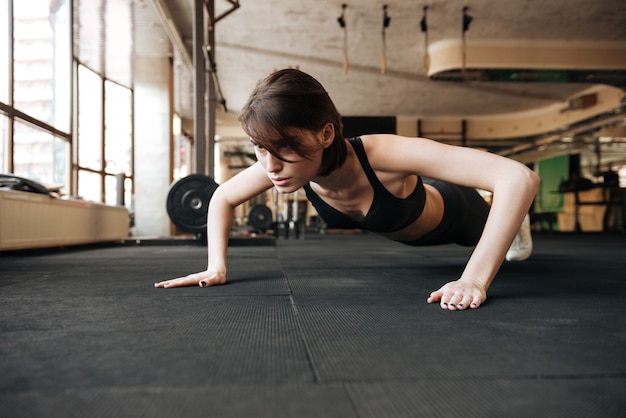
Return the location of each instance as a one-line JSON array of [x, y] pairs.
[[152, 145]]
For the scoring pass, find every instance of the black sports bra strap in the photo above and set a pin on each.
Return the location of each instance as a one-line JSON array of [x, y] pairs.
[[359, 149]]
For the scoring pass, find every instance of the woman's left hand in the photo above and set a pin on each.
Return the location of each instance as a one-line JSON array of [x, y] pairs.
[[459, 295]]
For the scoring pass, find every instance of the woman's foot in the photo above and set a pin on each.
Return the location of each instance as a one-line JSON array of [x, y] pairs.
[[522, 246]]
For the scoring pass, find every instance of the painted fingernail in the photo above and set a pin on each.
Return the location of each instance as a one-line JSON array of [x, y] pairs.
[[452, 304], [202, 283], [460, 305]]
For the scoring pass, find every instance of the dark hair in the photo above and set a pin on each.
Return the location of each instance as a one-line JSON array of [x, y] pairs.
[[288, 99]]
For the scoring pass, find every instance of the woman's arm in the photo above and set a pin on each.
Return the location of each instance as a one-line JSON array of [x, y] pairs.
[[512, 197], [513, 186], [226, 198]]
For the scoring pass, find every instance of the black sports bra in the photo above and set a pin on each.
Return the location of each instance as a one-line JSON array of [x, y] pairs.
[[388, 213]]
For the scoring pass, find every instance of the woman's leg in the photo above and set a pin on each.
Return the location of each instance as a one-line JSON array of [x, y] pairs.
[[464, 218], [522, 245]]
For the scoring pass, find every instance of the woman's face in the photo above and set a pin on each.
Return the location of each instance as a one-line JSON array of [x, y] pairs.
[[292, 171]]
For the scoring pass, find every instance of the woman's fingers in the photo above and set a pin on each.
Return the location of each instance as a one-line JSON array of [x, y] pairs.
[[181, 281], [202, 279], [465, 302], [458, 296], [212, 280], [435, 296]]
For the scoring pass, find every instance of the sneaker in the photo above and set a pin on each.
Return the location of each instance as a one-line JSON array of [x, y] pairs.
[[522, 246]]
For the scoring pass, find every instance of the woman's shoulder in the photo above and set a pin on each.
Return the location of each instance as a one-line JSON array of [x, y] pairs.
[[386, 151], [388, 145], [385, 140]]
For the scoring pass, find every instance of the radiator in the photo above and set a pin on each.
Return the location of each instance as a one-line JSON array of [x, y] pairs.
[[30, 220]]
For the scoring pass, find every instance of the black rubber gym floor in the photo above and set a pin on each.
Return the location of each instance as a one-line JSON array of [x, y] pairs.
[[326, 326]]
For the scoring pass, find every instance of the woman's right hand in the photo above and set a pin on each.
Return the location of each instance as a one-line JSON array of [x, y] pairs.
[[209, 277]]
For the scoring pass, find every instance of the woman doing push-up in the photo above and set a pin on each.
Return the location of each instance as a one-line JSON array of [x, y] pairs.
[[412, 190]]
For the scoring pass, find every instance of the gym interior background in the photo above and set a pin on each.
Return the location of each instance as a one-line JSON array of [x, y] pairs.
[[113, 103], [110, 102]]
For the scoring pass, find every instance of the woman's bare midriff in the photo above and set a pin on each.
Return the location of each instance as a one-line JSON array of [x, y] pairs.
[[429, 219]]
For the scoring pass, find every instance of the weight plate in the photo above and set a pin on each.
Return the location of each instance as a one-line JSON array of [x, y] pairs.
[[260, 217], [188, 202]]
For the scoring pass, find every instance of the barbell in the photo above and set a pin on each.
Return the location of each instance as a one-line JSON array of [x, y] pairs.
[[188, 201]]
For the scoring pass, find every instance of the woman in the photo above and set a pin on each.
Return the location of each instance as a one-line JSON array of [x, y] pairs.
[[374, 183]]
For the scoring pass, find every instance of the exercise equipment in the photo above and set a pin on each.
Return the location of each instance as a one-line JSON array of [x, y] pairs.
[[386, 20], [342, 22], [260, 218], [188, 201]]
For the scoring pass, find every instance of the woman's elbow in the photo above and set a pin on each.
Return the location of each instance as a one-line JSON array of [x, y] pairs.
[[529, 180], [534, 180]]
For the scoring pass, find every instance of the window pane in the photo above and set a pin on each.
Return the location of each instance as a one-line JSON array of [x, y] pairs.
[[39, 155], [118, 129], [89, 119], [42, 59], [89, 186], [4, 51], [182, 149], [110, 192]]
